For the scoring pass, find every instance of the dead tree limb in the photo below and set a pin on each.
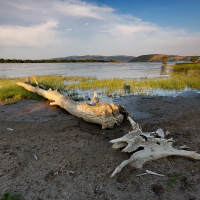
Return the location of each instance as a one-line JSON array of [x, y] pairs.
[[106, 114], [147, 147], [41, 86]]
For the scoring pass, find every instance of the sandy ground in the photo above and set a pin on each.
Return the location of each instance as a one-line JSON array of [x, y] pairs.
[[37, 139]]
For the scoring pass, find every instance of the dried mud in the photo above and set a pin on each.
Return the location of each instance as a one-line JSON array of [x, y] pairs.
[[37, 140]]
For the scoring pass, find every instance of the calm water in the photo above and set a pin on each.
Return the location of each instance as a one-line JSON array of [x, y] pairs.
[[100, 70]]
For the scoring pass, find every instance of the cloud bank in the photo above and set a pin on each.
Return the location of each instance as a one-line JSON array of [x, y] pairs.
[[52, 28]]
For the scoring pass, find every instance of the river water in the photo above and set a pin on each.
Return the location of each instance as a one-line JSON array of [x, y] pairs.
[[99, 70], [136, 70]]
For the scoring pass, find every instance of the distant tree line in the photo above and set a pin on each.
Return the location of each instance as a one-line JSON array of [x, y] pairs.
[[193, 59], [47, 61]]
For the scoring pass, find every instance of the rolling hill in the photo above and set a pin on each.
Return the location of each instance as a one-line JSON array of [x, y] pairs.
[[119, 58], [158, 58]]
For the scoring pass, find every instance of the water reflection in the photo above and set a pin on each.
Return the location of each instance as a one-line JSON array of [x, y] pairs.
[[111, 96], [188, 69], [101, 70], [163, 70]]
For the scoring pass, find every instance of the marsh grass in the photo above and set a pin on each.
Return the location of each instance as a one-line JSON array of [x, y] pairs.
[[69, 85], [186, 68], [174, 82], [8, 196], [9, 91]]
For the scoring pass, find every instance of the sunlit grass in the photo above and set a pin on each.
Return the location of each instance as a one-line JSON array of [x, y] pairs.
[[186, 68], [174, 82], [64, 84], [10, 91]]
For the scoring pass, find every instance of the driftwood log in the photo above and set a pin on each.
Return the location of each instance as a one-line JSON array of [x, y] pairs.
[[105, 114], [147, 147]]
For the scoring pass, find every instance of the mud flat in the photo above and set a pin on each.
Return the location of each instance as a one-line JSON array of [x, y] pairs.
[[37, 139]]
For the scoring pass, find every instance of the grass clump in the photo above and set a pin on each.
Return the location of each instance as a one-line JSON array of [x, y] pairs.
[[174, 82], [186, 68], [173, 180], [8, 196], [127, 87], [10, 92]]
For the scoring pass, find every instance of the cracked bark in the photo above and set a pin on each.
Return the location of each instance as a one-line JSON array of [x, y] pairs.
[[154, 146], [105, 114]]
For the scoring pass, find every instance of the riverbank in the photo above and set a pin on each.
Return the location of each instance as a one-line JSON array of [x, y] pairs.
[[36, 138], [76, 86]]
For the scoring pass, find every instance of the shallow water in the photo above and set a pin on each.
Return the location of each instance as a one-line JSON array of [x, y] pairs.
[[100, 70], [135, 70], [121, 95]]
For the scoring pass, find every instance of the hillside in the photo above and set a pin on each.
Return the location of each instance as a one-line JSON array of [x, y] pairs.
[[119, 58], [158, 58]]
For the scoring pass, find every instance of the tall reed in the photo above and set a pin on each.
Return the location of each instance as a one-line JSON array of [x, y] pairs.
[[9, 90]]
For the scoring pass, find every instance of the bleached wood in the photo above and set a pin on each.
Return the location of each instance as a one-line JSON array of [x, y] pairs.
[[154, 146], [35, 80], [41, 86], [150, 172], [106, 114]]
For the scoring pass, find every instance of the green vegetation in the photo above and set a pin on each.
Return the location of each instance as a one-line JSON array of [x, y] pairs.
[[48, 61], [193, 59], [72, 59], [7, 196], [173, 82], [143, 58], [10, 91], [127, 87], [186, 68], [164, 60], [68, 85], [119, 58], [173, 180], [158, 58], [184, 75]]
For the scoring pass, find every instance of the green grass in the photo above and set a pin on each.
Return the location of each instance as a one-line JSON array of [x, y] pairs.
[[174, 82], [10, 92], [173, 180], [8, 196], [186, 68]]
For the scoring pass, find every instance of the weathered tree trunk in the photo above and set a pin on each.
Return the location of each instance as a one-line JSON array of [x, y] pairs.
[[147, 147], [106, 114]]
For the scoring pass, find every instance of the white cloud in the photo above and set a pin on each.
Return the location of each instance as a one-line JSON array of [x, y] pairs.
[[38, 35], [40, 23], [82, 9], [133, 29], [128, 17], [20, 6]]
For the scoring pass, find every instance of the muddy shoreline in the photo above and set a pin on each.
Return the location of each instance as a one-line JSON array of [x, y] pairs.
[[44, 138]]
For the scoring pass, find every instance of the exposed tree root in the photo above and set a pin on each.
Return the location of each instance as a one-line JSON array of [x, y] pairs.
[[150, 146]]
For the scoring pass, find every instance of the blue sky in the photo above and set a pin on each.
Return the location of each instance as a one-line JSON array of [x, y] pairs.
[[172, 13], [36, 29]]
